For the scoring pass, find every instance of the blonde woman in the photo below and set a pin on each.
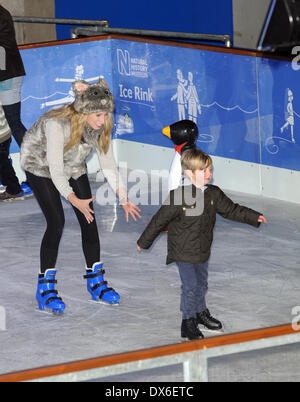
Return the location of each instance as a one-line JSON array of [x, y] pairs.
[[53, 154]]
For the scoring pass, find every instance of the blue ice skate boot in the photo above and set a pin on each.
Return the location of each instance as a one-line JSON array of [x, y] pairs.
[[46, 295], [27, 190], [98, 287]]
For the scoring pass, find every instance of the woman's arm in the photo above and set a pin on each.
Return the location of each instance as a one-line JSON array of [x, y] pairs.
[[55, 156], [113, 176], [111, 172]]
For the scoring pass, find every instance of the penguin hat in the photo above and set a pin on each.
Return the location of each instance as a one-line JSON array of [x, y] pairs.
[[183, 133]]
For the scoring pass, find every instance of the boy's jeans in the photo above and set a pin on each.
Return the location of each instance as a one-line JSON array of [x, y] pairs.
[[193, 288]]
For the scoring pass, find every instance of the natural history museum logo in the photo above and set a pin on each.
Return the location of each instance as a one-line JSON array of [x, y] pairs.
[[131, 66]]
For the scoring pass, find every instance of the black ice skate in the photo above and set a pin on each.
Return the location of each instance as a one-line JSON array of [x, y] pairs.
[[209, 322], [190, 330]]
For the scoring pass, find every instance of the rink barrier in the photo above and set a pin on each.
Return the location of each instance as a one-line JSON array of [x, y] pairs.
[[193, 355], [102, 27], [241, 133]]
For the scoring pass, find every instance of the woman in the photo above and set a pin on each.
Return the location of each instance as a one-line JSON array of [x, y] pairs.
[[53, 154], [11, 79]]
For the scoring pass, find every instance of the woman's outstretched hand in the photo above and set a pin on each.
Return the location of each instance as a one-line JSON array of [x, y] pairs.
[[83, 206], [131, 209]]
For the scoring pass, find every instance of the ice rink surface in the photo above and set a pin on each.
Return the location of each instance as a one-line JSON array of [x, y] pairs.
[[254, 282]]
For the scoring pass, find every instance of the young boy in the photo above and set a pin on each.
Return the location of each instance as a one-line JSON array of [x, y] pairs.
[[190, 214]]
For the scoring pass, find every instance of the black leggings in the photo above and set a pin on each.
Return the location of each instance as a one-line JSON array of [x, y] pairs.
[[49, 200]]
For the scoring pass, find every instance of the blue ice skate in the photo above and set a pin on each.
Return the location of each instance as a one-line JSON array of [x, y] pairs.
[[98, 287], [26, 189], [46, 295]]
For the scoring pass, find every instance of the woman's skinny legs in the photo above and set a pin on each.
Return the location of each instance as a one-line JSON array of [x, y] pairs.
[[49, 200], [89, 231], [50, 203]]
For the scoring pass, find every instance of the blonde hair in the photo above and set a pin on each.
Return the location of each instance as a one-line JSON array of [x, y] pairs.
[[195, 159], [78, 122]]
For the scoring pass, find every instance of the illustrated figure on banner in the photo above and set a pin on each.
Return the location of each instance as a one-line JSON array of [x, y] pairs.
[[187, 97], [290, 115], [180, 95], [79, 72], [193, 101]]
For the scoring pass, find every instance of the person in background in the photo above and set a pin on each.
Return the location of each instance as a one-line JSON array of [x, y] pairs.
[[11, 79], [53, 154], [7, 173]]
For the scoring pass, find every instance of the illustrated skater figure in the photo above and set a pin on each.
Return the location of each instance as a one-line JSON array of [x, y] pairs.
[[192, 98], [190, 235], [7, 172], [11, 79], [290, 118], [180, 95], [53, 154], [79, 74]]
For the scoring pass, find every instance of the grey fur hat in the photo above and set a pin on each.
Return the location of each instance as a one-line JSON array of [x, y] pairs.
[[92, 98]]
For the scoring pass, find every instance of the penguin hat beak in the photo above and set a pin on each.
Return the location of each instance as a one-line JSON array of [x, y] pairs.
[[167, 131], [182, 131]]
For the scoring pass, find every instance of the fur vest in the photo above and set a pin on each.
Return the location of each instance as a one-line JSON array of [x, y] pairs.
[[34, 146]]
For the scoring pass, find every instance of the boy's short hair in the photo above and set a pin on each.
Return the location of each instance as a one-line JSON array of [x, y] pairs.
[[195, 159]]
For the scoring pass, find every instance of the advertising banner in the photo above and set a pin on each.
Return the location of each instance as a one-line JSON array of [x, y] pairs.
[[156, 85], [246, 108]]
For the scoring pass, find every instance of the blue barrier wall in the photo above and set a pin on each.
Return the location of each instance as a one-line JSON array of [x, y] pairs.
[[199, 16], [51, 70], [279, 112], [216, 90], [246, 108]]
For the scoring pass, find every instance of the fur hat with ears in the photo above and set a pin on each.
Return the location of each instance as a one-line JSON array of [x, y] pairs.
[[92, 98]]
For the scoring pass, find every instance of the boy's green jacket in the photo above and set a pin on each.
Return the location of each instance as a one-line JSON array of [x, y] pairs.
[[190, 216]]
